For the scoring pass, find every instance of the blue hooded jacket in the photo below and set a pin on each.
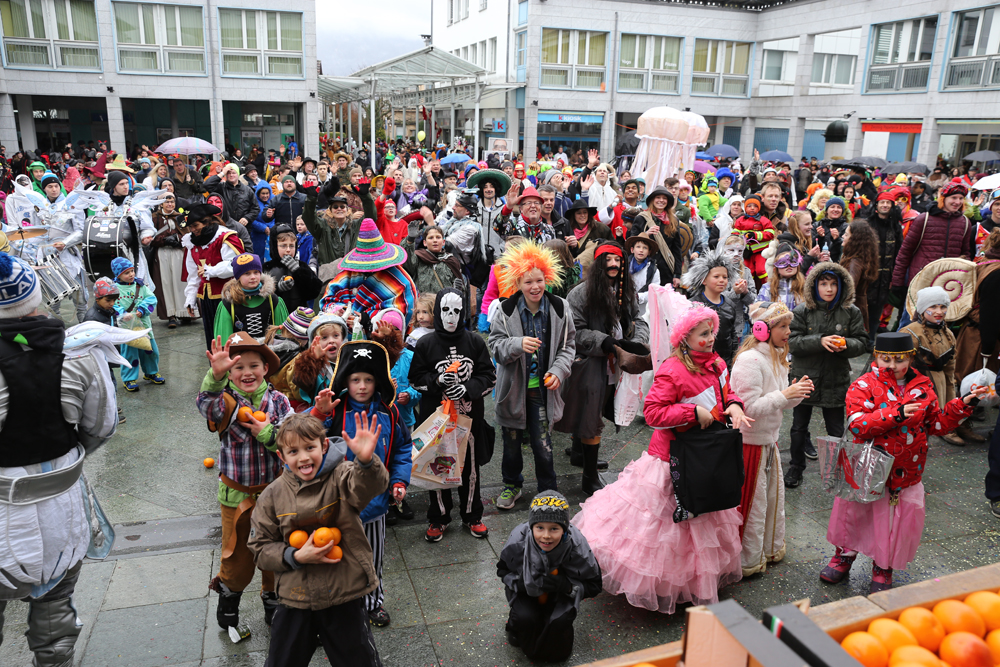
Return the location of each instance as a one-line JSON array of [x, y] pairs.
[[259, 226]]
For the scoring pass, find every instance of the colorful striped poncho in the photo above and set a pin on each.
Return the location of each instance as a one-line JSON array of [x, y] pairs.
[[372, 292]]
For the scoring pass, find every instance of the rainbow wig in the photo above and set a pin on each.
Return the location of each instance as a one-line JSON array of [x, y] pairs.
[[687, 323], [524, 257]]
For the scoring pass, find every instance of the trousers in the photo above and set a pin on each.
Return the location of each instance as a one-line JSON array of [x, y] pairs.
[[53, 626], [375, 532], [541, 637], [801, 414], [541, 445], [343, 630], [236, 571]]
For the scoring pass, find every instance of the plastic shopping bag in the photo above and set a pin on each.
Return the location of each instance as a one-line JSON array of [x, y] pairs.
[[853, 471], [439, 445], [628, 398], [984, 377]]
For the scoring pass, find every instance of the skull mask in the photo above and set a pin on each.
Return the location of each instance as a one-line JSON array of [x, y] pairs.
[[451, 311]]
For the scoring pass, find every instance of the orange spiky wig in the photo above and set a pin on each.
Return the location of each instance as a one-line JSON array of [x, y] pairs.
[[524, 257]]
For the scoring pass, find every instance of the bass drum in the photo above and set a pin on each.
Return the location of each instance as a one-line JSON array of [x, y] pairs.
[[104, 239]]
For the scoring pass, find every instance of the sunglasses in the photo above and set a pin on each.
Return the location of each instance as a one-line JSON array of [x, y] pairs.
[[792, 261]]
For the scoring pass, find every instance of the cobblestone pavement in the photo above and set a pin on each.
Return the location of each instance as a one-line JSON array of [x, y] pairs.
[[148, 603]]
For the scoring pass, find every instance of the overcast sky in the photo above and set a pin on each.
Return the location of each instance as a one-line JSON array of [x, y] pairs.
[[352, 35]]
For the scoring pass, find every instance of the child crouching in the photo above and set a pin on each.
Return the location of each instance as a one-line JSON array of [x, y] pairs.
[[548, 569], [322, 587]]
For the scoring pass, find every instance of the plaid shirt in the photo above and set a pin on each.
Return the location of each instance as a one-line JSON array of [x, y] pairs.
[[243, 458]]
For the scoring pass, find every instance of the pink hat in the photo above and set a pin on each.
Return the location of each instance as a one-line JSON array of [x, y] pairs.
[[687, 322], [391, 316]]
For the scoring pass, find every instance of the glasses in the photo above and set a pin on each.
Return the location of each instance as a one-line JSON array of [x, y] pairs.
[[792, 261]]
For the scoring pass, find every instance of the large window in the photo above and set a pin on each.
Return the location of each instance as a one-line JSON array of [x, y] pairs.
[[975, 55], [256, 43], [520, 55], [50, 34], [721, 68], [901, 54], [833, 69], [159, 38], [573, 58], [649, 63]]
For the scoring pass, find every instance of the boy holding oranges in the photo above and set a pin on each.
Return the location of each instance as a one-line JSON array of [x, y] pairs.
[[233, 387], [321, 594]]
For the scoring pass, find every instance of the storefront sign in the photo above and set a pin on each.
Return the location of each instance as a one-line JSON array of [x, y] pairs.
[[905, 128], [570, 118]]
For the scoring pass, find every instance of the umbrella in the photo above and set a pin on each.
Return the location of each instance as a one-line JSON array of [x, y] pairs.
[[627, 144], [908, 167], [722, 150], [703, 167], [776, 156], [982, 156], [186, 146], [455, 158], [990, 182], [701, 155], [870, 161]]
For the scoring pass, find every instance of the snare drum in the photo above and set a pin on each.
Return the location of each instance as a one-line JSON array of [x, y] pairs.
[[56, 281], [106, 238]]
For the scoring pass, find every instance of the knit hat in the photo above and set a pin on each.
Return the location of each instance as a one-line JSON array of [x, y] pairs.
[[245, 262], [711, 180], [884, 195], [834, 200], [20, 291], [931, 296], [120, 265], [288, 177], [953, 188], [372, 253], [324, 319], [104, 286], [691, 318], [232, 166], [297, 323], [49, 177], [549, 506], [391, 316]]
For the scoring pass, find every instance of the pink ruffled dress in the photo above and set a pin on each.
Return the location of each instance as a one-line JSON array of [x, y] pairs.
[[655, 562]]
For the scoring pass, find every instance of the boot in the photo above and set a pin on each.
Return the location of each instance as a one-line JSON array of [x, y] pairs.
[[591, 481], [881, 579], [53, 628], [228, 611], [838, 567], [965, 432], [953, 439], [270, 601], [576, 455]]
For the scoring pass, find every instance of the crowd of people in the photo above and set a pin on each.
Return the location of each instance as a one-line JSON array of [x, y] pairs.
[[346, 299]]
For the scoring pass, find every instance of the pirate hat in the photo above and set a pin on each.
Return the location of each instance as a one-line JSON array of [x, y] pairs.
[[364, 356]]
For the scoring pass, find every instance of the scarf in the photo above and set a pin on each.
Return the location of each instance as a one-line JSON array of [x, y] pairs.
[[207, 234], [252, 292], [256, 398], [538, 563], [635, 267]]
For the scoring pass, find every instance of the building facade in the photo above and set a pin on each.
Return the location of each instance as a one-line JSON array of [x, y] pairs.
[[910, 82], [138, 73]]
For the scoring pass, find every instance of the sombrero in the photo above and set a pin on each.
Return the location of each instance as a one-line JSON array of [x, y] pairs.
[[503, 180], [119, 165], [372, 253]]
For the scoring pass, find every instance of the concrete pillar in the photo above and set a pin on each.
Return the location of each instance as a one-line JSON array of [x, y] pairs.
[[530, 147], [174, 128], [217, 120], [855, 137], [511, 117], [746, 141], [309, 141], [796, 137], [26, 121], [116, 124], [930, 139], [475, 127], [451, 121], [8, 128], [608, 134], [720, 129]]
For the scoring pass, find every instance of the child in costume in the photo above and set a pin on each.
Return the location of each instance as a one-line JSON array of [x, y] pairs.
[[451, 342], [363, 386], [235, 383], [655, 561], [287, 341], [712, 201], [785, 281], [645, 266], [758, 230], [423, 320], [312, 369], [249, 303], [296, 283], [708, 281], [135, 303], [744, 288], [760, 378], [533, 342], [322, 588], [106, 295], [547, 569], [894, 406]]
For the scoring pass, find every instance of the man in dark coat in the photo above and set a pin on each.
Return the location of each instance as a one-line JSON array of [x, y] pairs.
[[241, 204], [887, 223]]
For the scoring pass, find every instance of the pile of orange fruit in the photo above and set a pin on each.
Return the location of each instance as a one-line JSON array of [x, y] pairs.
[[321, 537], [245, 414], [952, 634]]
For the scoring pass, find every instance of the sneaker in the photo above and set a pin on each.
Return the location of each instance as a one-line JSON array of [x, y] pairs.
[[793, 477], [881, 579], [270, 601], [155, 378], [130, 385], [478, 529], [810, 451], [995, 508], [379, 617], [435, 532], [838, 567], [508, 497], [121, 416]]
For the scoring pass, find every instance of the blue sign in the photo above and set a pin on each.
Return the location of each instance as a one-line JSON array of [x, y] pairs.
[[499, 126], [570, 118]]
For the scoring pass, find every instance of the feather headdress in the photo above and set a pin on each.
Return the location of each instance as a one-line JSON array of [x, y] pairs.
[[524, 257]]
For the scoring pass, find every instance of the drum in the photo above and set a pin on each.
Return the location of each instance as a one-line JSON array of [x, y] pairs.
[[104, 239], [56, 281]]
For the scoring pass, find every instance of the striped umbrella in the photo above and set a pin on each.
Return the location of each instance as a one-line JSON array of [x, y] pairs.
[[187, 146]]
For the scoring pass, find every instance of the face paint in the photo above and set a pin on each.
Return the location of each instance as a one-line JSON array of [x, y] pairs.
[[701, 343], [451, 311]]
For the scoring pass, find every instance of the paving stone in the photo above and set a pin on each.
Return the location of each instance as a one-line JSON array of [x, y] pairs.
[[457, 546], [400, 601], [463, 590], [153, 635], [158, 579]]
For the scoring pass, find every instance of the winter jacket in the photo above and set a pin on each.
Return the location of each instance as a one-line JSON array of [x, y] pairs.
[[676, 391], [401, 376], [97, 314], [260, 224], [432, 273], [890, 238], [331, 243], [290, 504], [814, 319], [835, 245], [932, 236], [756, 380], [240, 199], [709, 206], [935, 356], [506, 334], [287, 208], [272, 309], [875, 413], [189, 186], [305, 284], [645, 221]]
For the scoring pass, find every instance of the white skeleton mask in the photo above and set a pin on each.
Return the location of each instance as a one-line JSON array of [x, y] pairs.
[[451, 311]]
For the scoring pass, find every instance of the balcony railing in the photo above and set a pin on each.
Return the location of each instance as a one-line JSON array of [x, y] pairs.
[[52, 54], [723, 85], [647, 81], [157, 59], [903, 76], [976, 72]]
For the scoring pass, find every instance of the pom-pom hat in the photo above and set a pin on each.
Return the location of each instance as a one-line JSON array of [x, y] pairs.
[[372, 253], [20, 292], [297, 323]]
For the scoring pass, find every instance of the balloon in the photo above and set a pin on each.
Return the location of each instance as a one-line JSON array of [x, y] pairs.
[[421, 135]]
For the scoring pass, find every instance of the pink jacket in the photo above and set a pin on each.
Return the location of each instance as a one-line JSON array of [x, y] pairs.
[[676, 391]]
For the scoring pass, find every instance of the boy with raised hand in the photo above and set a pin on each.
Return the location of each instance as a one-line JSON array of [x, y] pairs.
[[321, 587]]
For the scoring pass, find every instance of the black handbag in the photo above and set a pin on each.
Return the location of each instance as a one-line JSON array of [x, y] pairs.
[[706, 468]]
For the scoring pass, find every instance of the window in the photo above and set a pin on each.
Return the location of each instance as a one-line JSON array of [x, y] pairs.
[[520, 55], [256, 43], [721, 68], [492, 66], [159, 38], [472, 53], [975, 56], [522, 12], [649, 63], [581, 53], [482, 5], [833, 69], [465, 8], [28, 42], [894, 47], [451, 11]]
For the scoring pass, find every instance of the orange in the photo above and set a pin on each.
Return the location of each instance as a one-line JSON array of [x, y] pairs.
[[964, 649], [866, 649], [913, 655], [957, 616], [892, 634], [336, 553], [987, 605], [924, 625], [244, 414], [322, 537], [260, 415], [209, 463], [336, 535], [297, 539], [993, 641]]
